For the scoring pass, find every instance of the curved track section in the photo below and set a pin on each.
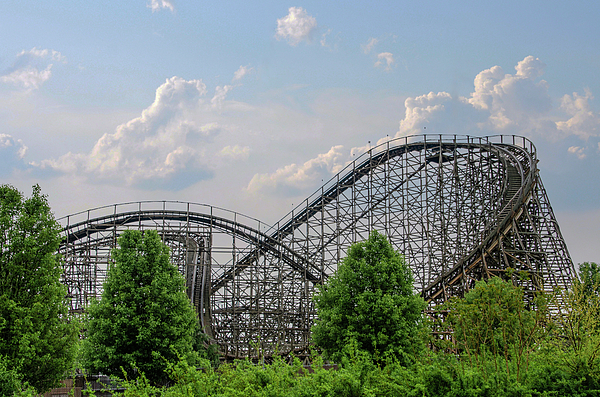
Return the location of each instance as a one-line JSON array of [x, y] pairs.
[[206, 243], [460, 209]]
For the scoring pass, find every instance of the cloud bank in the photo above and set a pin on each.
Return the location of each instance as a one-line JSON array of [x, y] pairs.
[[501, 103], [293, 179], [159, 145]]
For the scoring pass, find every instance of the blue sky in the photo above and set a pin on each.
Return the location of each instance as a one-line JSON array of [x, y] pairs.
[[249, 105]]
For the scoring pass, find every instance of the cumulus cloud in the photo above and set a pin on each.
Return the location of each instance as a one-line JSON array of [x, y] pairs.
[[157, 147], [295, 27], [157, 5], [293, 179], [31, 68], [440, 113], [369, 46], [505, 103], [385, 59], [512, 100], [583, 121], [236, 152], [241, 72]]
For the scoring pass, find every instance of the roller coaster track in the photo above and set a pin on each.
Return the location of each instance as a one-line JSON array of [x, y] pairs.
[[460, 209]]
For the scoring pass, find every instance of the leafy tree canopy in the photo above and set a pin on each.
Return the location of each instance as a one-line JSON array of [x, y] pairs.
[[144, 319], [580, 325], [369, 302], [492, 319], [37, 337], [589, 278]]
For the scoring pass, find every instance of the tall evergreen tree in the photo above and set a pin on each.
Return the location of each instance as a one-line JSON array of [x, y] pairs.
[[37, 337], [144, 318], [370, 303]]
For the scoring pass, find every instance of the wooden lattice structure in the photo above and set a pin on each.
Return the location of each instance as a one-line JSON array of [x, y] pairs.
[[459, 208]]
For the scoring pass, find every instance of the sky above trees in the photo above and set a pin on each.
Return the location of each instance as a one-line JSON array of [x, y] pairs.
[[250, 105]]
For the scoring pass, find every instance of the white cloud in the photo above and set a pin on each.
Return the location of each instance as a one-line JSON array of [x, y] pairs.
[[158, 146], [501, 103], [583, 121], [17, 146], [28, 56], [369, 46], [578, 151], [12, 152], [236, 152], [440, 113], [293, 178], [31, 68], [28, 77], [385, 59], [156, 5], [295, 27], [241, 72], [220, 95], [514, 101], [530, 68]]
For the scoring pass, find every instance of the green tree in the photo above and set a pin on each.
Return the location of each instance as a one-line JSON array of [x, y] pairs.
[[144, 319], [579, 322], [37, 336], [492, 321], [589, 279], [369, 303]]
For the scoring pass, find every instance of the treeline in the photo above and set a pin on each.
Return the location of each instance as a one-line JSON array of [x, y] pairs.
[[500, 347], [493, 342]]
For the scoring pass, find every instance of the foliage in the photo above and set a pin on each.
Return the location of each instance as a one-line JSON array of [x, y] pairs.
[[492, 320], [589, 279], [506, 350], [201, 344], [579, 339], [432, 375], [37, 335], [10, 382], [369, 303], [437, 374], [144, 320]]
